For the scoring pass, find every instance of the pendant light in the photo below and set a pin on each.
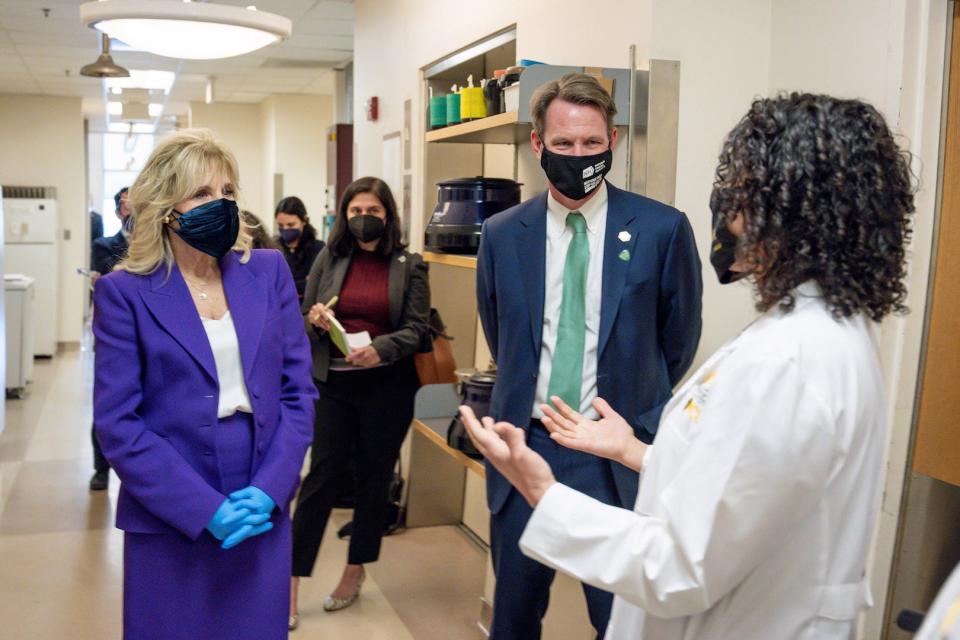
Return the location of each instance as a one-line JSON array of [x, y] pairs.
[[189, 30], [104, 67]]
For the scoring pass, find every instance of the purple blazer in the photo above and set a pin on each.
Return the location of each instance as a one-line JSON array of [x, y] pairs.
[[156, 390]]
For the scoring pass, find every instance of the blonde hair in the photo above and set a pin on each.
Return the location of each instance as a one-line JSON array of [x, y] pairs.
[[174, 172]]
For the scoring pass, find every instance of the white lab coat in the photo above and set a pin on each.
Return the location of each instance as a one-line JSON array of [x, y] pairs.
[[756, 503], [943, 618]]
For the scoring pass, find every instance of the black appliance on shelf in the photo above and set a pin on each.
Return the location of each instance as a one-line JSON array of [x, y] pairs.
[[475, 392], [462, 206]]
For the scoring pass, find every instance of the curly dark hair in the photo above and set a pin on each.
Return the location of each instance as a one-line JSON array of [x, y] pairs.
[[826, 195]]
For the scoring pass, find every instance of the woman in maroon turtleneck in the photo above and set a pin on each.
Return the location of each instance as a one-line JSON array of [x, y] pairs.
[[366, 396]]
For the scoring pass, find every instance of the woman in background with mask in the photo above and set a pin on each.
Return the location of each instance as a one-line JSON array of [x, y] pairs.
[[298, 239], [203, 404], [366, 396], [758, 499]]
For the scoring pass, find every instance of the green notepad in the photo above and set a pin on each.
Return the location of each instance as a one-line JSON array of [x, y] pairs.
[[339, 336]]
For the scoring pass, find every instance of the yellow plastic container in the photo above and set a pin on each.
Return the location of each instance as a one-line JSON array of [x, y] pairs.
[[472, 104]]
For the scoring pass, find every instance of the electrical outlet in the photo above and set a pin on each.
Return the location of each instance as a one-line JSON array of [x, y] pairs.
[[66, 234]]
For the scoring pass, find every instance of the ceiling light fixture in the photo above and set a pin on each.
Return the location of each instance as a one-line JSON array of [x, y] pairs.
[[104, 67], [191, 30]]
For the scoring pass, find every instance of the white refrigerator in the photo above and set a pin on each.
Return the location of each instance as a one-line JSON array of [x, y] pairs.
[[30, 248], [20, 322]]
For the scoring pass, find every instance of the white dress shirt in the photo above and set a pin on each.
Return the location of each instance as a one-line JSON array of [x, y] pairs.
[[558, 239], [226, 354]]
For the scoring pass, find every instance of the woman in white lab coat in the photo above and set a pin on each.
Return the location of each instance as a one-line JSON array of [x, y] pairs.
[[758, 498]]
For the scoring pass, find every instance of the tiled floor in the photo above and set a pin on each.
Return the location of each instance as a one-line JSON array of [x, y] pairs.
[[61, 559]]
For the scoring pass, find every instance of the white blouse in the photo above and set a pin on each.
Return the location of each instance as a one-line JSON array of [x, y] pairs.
[[226, 354]]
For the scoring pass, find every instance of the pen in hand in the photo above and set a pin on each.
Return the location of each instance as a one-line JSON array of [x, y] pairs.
[[320, 314]]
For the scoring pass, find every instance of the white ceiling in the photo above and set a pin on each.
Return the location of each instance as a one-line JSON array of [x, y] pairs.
[[43, 55]]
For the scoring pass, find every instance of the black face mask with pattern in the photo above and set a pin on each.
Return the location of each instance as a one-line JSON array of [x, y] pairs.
[[575, 176], [723, 252]]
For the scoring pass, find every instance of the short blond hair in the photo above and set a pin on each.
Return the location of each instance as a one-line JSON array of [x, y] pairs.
[[578, 88], [175, 171]]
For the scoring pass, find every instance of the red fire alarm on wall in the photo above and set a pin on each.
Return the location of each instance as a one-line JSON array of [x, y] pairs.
[[373, 109]]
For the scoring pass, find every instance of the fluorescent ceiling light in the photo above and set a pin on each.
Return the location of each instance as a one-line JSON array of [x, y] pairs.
[[123, 127], [192, 30], [143, 79]]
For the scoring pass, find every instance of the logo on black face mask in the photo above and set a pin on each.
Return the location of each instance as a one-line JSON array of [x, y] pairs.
[[575, 176]]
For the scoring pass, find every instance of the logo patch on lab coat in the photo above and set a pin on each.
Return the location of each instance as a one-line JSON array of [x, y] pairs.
[[698, 398]]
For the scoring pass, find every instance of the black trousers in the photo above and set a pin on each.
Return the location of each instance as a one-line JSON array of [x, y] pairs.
[[99, 462], [366, 414]]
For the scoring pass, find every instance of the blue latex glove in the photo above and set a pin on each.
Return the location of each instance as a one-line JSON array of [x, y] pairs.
[[227, 519], [246, 531], [253, 499]]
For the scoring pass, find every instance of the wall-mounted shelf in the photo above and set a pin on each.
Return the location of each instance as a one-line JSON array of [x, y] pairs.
[[434, 430], [502, 128], [452, 259]]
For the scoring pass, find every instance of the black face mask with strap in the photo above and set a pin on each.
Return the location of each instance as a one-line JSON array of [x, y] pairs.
[[366, 228]]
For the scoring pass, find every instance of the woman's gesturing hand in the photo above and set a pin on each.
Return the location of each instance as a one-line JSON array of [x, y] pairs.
[[505, 446], [610, 437]]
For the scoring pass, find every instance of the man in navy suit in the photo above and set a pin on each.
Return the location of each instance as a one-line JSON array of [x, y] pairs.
[[105, 254], [584, 291]]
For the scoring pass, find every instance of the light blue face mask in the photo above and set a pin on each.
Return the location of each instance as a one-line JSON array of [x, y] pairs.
[[212, 227]]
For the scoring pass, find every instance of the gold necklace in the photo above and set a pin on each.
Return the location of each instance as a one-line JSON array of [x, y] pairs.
[[201, 286]]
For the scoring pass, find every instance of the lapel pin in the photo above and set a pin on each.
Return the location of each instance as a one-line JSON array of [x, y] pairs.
[[402, 259], [624, 255], [624, 236]]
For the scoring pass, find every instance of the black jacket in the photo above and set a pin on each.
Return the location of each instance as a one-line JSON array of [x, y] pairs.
[[301, 261], [107, 252], [409, 291]]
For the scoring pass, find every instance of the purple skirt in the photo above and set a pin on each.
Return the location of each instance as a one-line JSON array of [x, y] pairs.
[[176, 588]]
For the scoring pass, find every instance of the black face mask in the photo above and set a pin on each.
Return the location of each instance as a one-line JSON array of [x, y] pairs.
[[366, 228], [212, 227], [575, 176], [723, 252]]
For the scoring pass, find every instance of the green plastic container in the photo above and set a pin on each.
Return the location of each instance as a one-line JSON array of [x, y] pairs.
[[453, 108], [438, 112]]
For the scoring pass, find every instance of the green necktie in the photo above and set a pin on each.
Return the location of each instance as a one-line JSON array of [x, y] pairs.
[[566, 370]]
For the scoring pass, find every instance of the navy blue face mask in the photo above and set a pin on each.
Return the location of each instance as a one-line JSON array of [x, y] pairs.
[[290, 235], [212, 227]]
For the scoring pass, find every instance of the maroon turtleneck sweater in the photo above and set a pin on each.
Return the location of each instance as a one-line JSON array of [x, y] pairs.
[[364, 302]]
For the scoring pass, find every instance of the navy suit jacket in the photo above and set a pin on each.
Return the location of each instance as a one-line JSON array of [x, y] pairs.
[[156, 390], [649, 317], [105, 253]]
